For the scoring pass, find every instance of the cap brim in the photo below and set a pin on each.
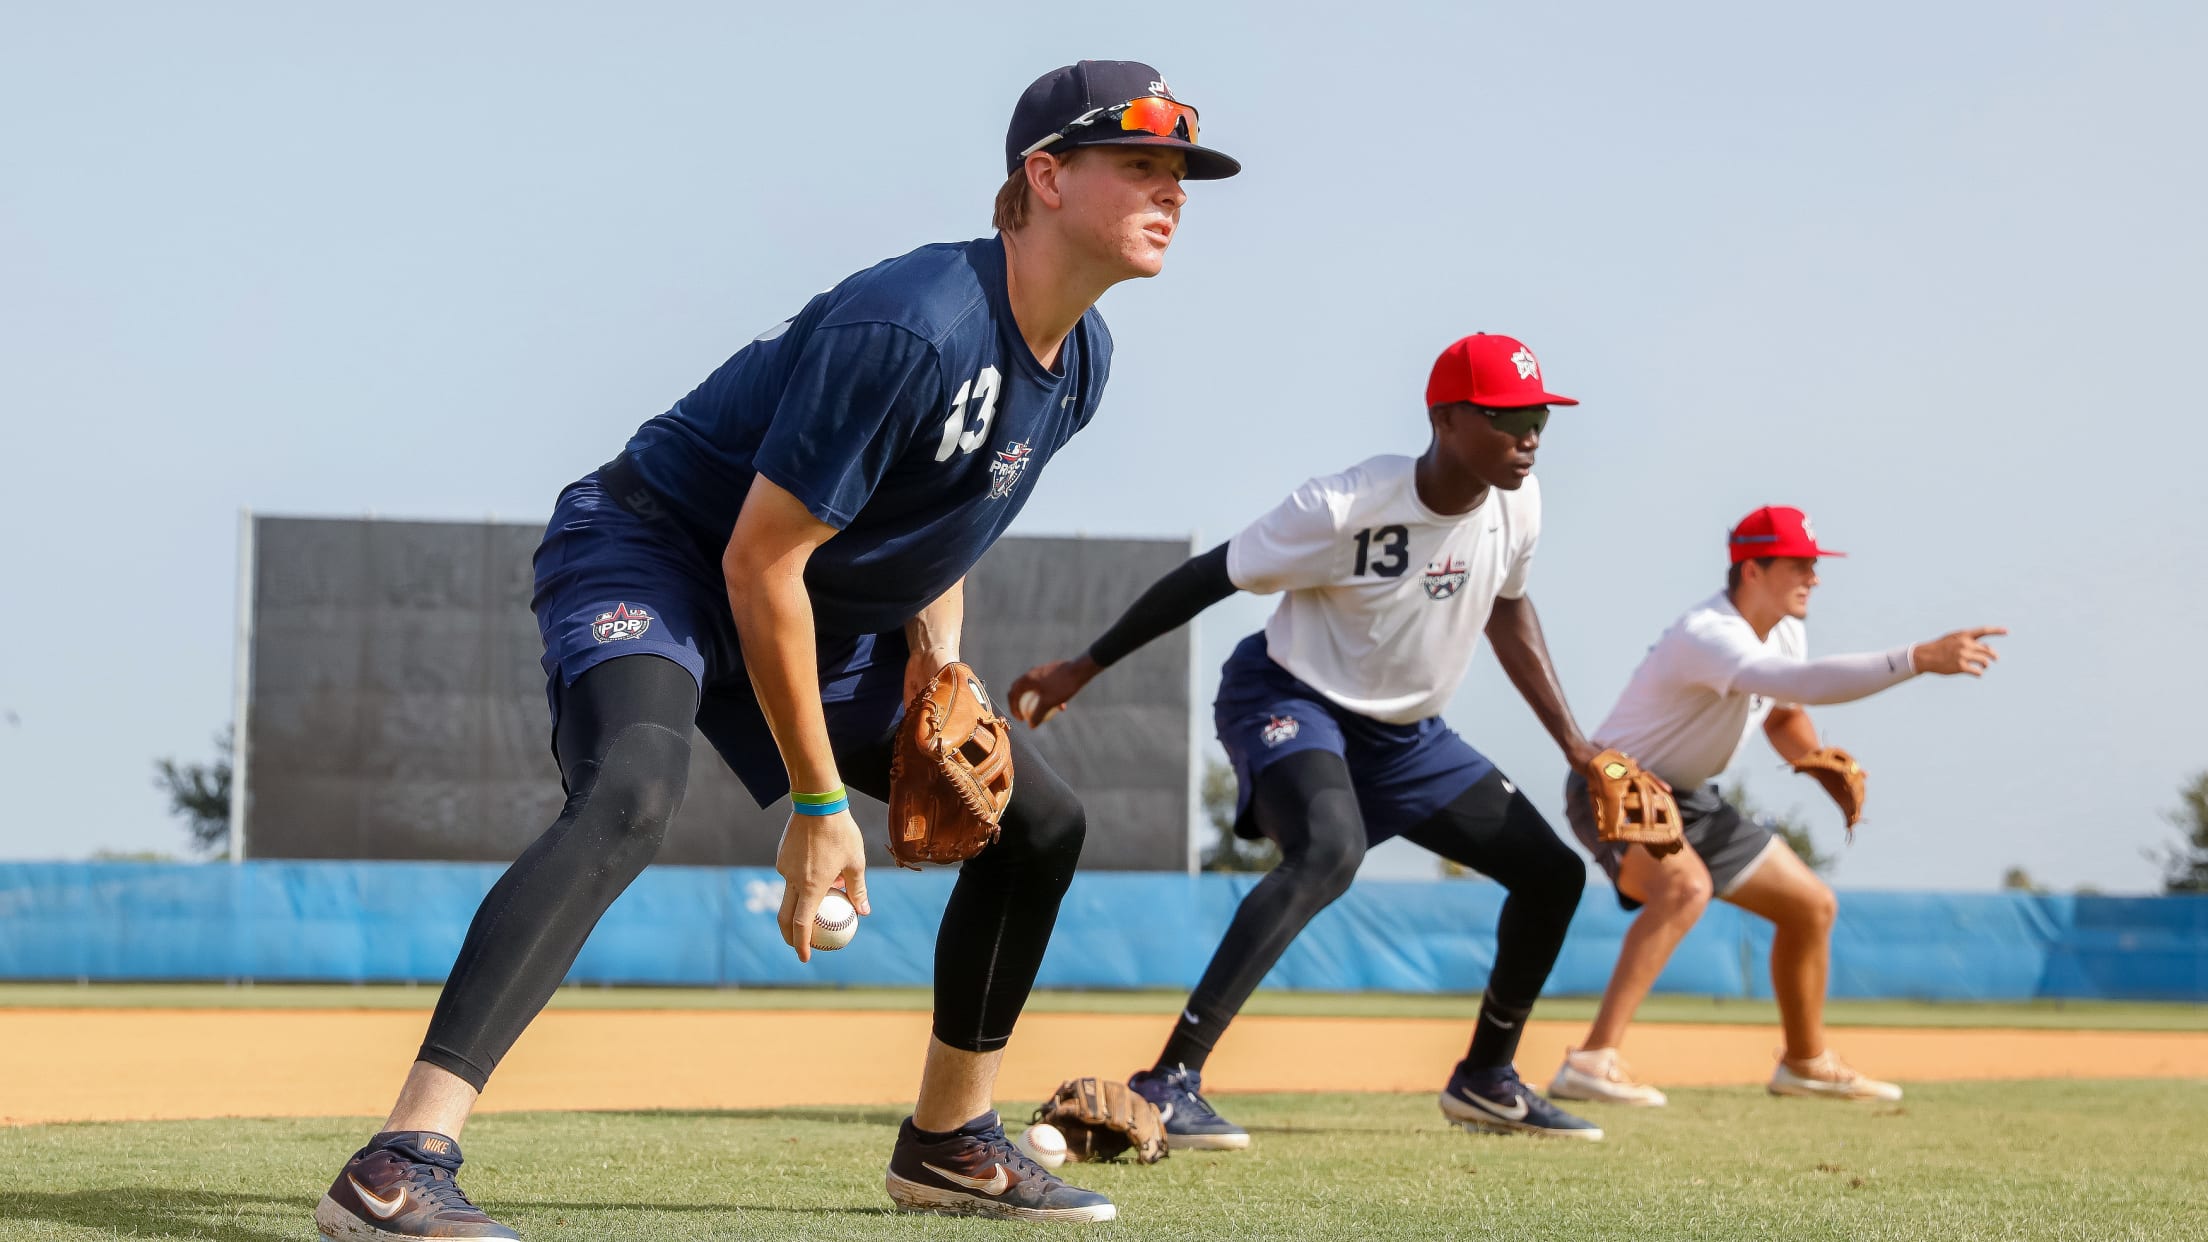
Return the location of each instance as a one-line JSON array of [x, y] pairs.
[[1759, 551], [1544, 398], [1204, 164]]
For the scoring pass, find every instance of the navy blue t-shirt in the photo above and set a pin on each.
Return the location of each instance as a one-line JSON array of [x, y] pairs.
[[903, 408]]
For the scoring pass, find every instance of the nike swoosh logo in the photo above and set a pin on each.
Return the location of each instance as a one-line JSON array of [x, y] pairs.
[[1165, 1114], [1508, 1114], [988, 1186], [1191, 1019], [384, 1209]]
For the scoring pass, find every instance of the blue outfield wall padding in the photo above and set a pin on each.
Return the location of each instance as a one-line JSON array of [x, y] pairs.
[[392, 921]]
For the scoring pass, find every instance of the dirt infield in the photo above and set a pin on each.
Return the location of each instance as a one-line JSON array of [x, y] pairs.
[[138, 1064]]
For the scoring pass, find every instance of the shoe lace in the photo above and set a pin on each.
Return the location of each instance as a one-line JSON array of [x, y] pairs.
[[1005, 1152], [1825, 1066], [1193, 1105], [441, 1188]]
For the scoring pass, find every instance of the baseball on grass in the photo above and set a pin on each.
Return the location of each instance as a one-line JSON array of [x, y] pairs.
[[835, 922], [1043, 1144]]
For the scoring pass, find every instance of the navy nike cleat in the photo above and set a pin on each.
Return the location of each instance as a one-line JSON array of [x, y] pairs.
[[400, 1188], [1498, 1102], [1190, 1122], [978, 1172]]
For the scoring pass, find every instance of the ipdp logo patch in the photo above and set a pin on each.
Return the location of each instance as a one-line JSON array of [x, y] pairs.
[[625, 621]]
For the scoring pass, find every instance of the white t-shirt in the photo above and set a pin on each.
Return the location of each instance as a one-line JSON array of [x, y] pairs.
[[1709, 682], [1386, 598], [1680, 716]]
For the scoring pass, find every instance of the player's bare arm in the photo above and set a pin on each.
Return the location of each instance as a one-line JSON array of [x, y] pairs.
[[1514, 630], [1790, 732], [764, 566], [932, 636]]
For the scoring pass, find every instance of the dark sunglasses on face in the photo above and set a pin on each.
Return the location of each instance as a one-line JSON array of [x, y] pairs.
[[1516, 423]]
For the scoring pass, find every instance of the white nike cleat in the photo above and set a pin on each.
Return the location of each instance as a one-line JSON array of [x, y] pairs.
[[1825, 1076], [1601, 1074]]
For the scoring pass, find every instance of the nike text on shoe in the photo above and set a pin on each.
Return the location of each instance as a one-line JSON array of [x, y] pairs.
[[1825, 1076], [401, 1188], [1600, 1074], [1190, 1123], [978, 1172], [1497, 1101]]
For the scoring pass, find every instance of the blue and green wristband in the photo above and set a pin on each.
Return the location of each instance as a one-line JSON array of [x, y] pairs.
[[820, 803]]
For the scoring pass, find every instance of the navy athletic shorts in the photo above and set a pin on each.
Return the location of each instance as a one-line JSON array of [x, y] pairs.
[[612, 581], [1402, 773]]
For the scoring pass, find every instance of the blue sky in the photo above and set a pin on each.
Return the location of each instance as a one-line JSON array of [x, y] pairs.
[[1932, 273]]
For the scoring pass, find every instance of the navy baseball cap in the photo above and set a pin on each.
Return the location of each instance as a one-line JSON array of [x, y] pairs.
[[1079, 106]]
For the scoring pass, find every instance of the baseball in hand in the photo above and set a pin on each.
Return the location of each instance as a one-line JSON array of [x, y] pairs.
[[835, 922], [1043, 1144], [1027, 704]]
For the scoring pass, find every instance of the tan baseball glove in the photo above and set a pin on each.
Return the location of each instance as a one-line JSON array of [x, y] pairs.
[[1841, 776], [950, 776], [1630, 805], [1102, 1119]]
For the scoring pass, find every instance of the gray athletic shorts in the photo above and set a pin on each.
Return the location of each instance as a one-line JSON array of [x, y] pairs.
[[1730, 846]]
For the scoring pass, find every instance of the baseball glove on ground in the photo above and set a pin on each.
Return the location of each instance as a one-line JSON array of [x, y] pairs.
[[1102, 1119], [1630, 806], [950, 776], [1841, 776]]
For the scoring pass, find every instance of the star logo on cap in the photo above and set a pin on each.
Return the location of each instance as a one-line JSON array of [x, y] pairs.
[[1808, 532], [1528, 368], [1160, 88]]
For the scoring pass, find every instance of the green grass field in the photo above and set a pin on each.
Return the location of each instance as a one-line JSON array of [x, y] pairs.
[[2054, 1015], [2069, 1160]]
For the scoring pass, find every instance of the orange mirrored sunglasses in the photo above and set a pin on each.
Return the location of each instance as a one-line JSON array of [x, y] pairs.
[[1167, 118]]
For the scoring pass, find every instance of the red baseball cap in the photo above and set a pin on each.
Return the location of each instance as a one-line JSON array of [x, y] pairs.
[[1493, 371], [1775, 530]]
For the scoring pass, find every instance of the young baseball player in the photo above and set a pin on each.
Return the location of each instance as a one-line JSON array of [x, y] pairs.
[[1392, 570], [778, 561], [1735, 662]]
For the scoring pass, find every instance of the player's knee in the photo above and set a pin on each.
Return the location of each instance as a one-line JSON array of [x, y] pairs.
[[1563, 883], [638, 786], [1329, 864], [1045, 831], [1683, 892], [1818, 911]]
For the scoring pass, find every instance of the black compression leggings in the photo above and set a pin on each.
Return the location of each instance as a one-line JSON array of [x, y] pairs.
[[623, 745], [1306, 804]]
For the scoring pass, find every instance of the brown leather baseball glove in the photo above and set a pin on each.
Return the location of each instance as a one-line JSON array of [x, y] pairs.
[[1102, 1119], [1630, 806], [950, 776], [1841, 776]]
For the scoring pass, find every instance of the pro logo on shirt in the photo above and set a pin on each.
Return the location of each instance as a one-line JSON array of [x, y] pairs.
[[625, 621], [1005, 471], [1445, 577], [1280, 729]]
